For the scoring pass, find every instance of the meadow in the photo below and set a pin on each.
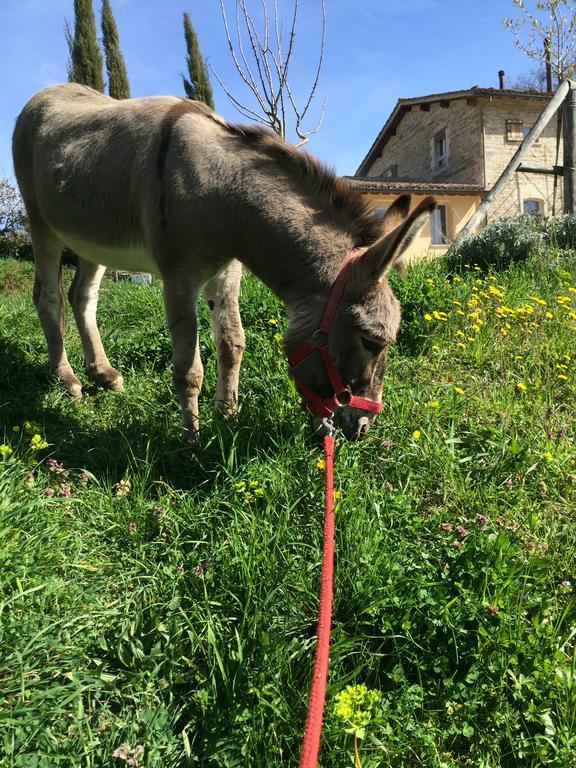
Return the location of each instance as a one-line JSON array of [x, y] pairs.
[[159, 603]]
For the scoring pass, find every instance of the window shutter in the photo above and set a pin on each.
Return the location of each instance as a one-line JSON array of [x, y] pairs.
[[514, 130]]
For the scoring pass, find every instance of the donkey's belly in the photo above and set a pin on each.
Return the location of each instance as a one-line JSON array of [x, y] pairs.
[[132, 258]]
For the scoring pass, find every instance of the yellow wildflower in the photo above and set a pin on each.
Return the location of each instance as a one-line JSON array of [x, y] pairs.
[[16, 429], [272, 321], [427, 317], [37, 443], [563, 377], [433, 404], [320, 464], [5, 451], [459, 390], [520, 385], [435, 347], [416, 434]]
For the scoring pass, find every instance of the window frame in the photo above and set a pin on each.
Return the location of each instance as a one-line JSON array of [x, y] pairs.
[[439, 228], [539, 203], [440, 161]]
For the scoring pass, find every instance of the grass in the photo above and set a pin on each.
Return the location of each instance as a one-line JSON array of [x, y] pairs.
[[157, 598]]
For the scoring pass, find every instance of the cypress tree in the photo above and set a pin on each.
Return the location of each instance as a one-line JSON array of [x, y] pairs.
[[118, 86], [86, 59], [198, 86]]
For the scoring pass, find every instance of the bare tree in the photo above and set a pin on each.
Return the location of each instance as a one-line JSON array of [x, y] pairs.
[[262, 47], [12, 213], [534, 80], [546, 26]]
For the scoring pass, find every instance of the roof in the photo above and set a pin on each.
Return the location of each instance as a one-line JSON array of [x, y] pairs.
[[397, 186], [404, 105]]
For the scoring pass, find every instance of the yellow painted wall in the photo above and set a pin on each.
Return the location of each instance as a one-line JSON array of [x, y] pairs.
[[459, 208]]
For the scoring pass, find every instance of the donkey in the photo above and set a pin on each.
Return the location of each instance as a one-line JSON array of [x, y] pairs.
[[164, 185]]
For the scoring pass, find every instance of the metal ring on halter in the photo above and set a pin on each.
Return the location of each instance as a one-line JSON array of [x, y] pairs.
[[328, 424], [343, 398]]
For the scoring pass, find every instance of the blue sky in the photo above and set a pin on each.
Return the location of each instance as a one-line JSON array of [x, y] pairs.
[[376, 52]]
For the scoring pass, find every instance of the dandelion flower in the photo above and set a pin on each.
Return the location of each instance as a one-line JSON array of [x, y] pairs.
[[520, 385], [320, 464], [5, 451], [459, 391], [416, 434]]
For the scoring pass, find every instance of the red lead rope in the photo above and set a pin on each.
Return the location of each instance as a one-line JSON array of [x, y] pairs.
[[313, 727]]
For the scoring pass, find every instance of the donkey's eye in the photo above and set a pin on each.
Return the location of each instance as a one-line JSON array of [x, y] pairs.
[[374, 347]]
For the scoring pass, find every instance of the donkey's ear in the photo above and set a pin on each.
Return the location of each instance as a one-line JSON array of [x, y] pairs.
[[380, 257], [396, 214]]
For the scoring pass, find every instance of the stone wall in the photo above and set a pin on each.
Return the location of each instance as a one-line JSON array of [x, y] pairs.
[[412, 148], [499, 151]]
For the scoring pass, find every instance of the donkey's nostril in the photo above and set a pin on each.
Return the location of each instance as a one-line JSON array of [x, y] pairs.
[[363, 426]]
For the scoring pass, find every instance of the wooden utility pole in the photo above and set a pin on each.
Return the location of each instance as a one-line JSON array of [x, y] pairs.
[[569, 129]]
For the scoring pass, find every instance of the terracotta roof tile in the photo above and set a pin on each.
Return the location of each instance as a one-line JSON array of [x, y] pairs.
[[372, 184]]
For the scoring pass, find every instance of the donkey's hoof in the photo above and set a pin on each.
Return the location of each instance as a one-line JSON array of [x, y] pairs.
[[106, 377], [191, 438], [70, 383], [226, 409]]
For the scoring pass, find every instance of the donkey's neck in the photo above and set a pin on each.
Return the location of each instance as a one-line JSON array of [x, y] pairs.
[[301, 274], [296, 249]]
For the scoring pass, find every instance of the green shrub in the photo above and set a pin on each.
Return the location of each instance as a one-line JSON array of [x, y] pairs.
[[499, 243], [14, 246]]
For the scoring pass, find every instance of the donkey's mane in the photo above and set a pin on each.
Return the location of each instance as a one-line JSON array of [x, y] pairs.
[[352, 212]]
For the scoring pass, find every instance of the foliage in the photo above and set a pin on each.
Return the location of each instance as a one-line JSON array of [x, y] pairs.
[[86, 59], [14, 242], [118, 85], [166, 600], [198, 86], [546, 25], [500, 242]]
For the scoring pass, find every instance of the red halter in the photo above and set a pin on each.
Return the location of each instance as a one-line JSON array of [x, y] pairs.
[[325, 407]]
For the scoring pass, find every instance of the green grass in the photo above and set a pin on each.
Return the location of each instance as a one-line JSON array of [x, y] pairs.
[[181, 615]]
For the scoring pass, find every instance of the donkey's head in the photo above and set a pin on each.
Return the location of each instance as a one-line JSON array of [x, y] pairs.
[[342, 366]]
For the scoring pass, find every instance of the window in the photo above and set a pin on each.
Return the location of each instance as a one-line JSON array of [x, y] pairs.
[[532, 207], [440, 150], [438, 229], [391, 172], [514, 130]]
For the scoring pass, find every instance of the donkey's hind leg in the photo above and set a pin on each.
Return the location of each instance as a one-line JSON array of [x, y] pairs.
[[222, 293], [83, 296], [49, 301]]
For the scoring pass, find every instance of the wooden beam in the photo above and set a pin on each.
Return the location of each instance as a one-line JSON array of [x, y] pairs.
[[519, 155], [569, 129], [556, 170]]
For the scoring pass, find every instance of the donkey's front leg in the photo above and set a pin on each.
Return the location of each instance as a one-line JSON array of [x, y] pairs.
[[181, 301], [222, 293]]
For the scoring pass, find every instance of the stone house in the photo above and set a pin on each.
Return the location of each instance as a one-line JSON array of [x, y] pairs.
[[454, 146]]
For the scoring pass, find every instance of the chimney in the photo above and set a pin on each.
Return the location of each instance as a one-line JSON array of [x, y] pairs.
[[501, 74]]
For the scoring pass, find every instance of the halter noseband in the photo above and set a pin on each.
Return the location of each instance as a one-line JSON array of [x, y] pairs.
[[342, 397]]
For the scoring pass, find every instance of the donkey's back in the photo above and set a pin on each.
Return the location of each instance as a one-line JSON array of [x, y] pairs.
[[88, 167]]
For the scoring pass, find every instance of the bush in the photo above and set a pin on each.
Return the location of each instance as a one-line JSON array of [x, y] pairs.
[[14, 246], [500, 243]]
